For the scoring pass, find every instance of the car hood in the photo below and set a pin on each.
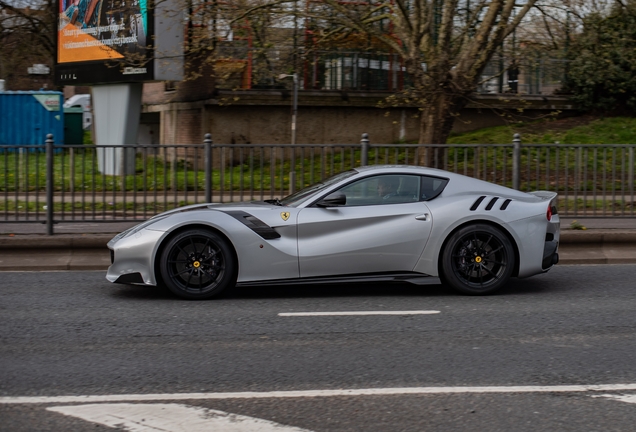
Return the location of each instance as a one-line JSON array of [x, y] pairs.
[[245, 206]]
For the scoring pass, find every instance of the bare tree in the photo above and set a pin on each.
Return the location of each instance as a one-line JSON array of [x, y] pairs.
[[221, 34], [445, 46], [27, 36]]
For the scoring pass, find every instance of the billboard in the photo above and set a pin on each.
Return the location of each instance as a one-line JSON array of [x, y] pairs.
[[113, 41]]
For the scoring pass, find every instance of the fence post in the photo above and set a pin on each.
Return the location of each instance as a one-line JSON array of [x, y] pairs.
[[516, 161], [207, 141], [630, 171], [49, 184], [364, 142], [292, 170]]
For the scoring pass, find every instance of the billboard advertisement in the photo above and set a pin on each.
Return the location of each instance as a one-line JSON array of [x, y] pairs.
[[110, 41]]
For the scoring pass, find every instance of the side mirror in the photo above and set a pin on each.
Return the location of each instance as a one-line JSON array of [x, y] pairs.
[[334, 200]]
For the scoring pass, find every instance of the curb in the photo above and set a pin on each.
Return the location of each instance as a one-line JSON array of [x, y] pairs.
[[62, 241], [598, 236], [35, 252]]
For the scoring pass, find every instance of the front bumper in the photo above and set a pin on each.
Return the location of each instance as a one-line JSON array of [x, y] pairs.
[[133, 257]]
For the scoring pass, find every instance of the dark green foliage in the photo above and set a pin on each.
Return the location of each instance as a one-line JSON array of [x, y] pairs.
[[602, 70]]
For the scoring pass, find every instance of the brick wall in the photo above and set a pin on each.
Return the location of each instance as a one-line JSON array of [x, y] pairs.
[[154, 93], [188, 127], [73, 90]]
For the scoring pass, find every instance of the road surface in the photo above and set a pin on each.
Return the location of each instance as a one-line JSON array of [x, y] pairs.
[[554, 352]]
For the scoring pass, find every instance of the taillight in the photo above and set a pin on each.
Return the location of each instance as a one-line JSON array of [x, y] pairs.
[[549, 213]]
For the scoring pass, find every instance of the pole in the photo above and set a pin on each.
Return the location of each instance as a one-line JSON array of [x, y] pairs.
[[294, 109], [292, 174], [49, 184], [516, 160], [207, 142]]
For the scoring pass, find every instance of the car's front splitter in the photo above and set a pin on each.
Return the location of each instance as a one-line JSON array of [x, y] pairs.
[[133, 258]]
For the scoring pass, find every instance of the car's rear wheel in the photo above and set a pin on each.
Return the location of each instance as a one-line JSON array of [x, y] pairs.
[[477, 259], [198, 264]]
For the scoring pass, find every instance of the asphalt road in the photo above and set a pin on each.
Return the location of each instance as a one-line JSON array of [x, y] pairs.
[[74, 334]]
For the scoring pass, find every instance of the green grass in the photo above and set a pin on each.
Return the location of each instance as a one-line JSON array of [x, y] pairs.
[[22, 207], [597, 206], [576, 164], [251, 170], [154, 173], [610, 130]]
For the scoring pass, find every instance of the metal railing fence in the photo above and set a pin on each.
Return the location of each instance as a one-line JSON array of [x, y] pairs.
[[50, 184]]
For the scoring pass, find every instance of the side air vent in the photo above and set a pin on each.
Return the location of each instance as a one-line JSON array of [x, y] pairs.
[[492, 203], [505, 204], [476, 203], [255, 224]]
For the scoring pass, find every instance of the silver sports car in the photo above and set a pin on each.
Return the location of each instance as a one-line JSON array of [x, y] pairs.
[[374, 223]]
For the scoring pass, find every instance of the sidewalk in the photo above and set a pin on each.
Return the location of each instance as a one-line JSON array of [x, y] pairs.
[[82, 246]]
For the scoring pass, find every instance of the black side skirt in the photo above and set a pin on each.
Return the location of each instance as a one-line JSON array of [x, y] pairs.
[[411, 277]]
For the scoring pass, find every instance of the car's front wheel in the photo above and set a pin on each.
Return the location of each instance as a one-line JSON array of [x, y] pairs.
[[198, 264], [477, 259]]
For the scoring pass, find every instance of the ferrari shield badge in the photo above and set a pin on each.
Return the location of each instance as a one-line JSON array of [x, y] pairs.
[[284, 215]]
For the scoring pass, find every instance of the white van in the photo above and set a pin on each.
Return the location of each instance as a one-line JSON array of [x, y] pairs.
[[83, 101]]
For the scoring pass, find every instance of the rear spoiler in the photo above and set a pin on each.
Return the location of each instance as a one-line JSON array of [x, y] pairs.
[[544, 195]]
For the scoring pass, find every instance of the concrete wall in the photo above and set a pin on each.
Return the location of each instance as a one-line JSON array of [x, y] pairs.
[[315, 125], [253, 117]]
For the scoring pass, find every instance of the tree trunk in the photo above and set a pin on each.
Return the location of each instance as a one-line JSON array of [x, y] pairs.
[[436, 122]]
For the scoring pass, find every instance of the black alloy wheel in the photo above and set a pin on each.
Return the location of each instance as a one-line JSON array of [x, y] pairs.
[[198, 264], [478, 259]]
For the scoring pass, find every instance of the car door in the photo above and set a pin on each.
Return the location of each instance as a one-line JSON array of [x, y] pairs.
[[368, 234]]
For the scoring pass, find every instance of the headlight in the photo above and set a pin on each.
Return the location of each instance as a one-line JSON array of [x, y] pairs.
[[137, 228]]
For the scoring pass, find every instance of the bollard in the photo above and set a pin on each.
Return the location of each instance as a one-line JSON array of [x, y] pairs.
[[364, 157], [49, 184], [516, 161], [207, 142]]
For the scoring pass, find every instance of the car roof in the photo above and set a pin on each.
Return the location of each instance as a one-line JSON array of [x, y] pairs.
[[458, 183], [380, 169], [401, 168]]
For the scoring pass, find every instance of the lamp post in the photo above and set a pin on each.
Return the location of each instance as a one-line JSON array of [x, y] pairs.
[[294, 104], [292, 174]]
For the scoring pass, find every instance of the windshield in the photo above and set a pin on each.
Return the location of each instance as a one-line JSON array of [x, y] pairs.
[[297, 198]]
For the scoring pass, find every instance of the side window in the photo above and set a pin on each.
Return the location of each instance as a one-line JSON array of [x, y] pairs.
[[431, 187], [383, 189]]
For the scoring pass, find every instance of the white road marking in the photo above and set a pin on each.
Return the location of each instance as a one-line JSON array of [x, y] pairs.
[[169, 418], [622, 398], [313, 393], [414, 312]]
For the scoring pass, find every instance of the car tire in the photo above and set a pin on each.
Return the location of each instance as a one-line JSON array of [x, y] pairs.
[[477, 259], [198, 264]]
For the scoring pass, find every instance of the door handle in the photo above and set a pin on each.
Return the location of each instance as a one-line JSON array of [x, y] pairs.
[[422, 217]]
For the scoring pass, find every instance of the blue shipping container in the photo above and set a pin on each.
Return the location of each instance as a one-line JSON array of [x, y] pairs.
[[26, 117]]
